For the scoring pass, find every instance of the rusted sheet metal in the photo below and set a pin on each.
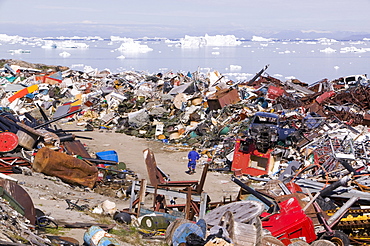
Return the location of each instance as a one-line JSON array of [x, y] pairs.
[[76, 148], [69, 169], [222, 98], [274, 92], [22, 197], [155, 176], [7, 164]]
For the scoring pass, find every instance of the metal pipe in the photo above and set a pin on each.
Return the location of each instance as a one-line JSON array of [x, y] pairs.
[[329, 189], [255, 193], [339, 214], [56, 119], [347, 166]]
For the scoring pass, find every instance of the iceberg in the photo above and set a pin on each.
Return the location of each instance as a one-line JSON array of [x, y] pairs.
[[327, 41], [64, 54], [353, 49], [235, 68], [19, 51], [134, 46], [49, 45], [13, 39], [71, 45], [328, 50], [260, 39], [218, 40], [119, 39]]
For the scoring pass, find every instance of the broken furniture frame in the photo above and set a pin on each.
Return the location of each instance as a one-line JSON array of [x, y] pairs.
[[159, 179]]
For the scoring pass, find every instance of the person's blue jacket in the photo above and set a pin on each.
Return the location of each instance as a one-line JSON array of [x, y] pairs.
[[193, 156]]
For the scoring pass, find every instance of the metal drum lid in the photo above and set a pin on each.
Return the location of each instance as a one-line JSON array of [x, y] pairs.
[[8, 141]]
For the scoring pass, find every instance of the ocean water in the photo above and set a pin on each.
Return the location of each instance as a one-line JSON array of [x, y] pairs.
[[307, 61]]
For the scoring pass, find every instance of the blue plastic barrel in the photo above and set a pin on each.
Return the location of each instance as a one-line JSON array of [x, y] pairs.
[[108, 241], [96, 236]]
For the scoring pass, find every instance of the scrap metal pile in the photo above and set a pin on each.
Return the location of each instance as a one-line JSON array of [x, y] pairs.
[[287, 139]]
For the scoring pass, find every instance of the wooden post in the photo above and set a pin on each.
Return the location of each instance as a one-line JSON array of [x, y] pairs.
[[188, 203], [141, 196], [155, 196], [132, 196], [203, 205]]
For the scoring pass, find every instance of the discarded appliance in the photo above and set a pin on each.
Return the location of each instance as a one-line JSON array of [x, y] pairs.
[[248, 160]]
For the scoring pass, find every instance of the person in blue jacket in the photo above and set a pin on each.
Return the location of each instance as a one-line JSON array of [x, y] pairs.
[[193, 156]]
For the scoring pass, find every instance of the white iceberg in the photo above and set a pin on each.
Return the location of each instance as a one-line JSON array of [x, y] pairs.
[[353, 49], [327, 41], [71, 45], [119, 39], [218, 40], [235, 68], [64, 54], [49, 44], [260, 39], [19, 51], [121, 57], [13, 39], [134, 46], [328, 50]]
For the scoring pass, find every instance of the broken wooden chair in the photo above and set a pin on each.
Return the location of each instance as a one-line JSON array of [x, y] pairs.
[[159, 179]]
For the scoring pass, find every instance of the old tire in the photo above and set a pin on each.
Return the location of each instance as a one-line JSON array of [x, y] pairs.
[[338, 238]]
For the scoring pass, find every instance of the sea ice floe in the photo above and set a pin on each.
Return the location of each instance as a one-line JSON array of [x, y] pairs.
[[19, 51]]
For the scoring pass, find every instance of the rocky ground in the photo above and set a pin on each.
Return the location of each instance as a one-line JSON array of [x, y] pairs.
[[49, 194]]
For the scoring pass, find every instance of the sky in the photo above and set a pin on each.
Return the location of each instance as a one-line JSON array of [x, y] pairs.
[[175, 18]]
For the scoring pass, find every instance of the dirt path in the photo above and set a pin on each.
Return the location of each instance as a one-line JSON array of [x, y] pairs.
[[49, 194]]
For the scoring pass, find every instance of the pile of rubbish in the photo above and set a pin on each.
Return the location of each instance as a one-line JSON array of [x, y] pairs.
[[299, 152]]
